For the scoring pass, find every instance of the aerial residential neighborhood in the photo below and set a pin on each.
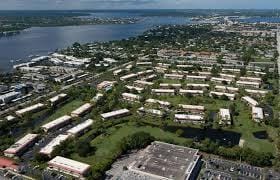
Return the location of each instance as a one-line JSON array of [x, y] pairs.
[[176, 101]]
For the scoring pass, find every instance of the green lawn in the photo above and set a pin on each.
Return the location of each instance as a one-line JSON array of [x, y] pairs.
[[246, 126], [242, 124], [66, 109], [107, 144]]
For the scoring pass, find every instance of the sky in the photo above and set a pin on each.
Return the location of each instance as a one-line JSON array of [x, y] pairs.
[[137, 4]]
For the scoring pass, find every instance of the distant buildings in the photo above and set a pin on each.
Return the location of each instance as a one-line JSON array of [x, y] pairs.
[[30, 109], [250, 101], [162, 104], [225, 117], [57, 123], [221, 94], [193, 109], [57, 99], [81, 110], [153, 112], [115, 114], [189, 118], [105, 85], [164, 92], [80, 128], [257, 114], [191, 92], [8, 97], [131, 97], [248, 84]]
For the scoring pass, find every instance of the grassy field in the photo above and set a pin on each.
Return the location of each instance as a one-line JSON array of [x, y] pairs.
[[246, 126], [66, 109], [242, 123], [106, 144]]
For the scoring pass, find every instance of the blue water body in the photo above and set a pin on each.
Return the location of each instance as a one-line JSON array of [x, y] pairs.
[[42, 40], [261, 19]]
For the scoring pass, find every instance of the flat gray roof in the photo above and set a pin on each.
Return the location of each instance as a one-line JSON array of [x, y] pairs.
[[166, 161]]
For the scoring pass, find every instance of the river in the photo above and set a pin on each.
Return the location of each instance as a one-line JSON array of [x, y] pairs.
[[42, 40]]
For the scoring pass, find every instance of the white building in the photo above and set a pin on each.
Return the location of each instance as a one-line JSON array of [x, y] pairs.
[[198, 86], [117, 72], [131, 97], [144, 63], [189, 118], [257, 114], [250, 101], [227, 89], [21, 145], [221, 80], [195, 109], [196, 78], [167, 86], [138, 89], [248, 84], [140, 83], [128, 77], [48, 149], [256, 92], [104, 85], [154, 112], [57, 99], [231, 70], [143, 73], [220, 94], [6, 98], [225, 117], [251, 79], [30, 109], [164, 92], [115, 114], [173, 76], [97, 97], [227, 76], [80, 128], [203, 73], [191, 92], [163, 104], [69, 166], [81, 110], [57, 123]]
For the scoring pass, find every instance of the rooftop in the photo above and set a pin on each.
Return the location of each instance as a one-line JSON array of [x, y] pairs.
[[69, 164], [165, 161], [21, 143], [54, 142]]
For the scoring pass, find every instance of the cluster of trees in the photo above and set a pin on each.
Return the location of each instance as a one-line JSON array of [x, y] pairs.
[[234, 153], [137, 140]]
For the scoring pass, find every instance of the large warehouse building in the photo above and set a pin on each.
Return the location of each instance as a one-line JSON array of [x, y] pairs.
[[162, 161]]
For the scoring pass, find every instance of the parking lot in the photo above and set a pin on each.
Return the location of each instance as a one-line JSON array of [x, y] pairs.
[[234, 169], [212, 174]]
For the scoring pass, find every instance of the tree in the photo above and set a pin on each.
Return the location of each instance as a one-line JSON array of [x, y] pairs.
[[242, 71], [179, 132], [214, 70], [137, 140], [83, 148]]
